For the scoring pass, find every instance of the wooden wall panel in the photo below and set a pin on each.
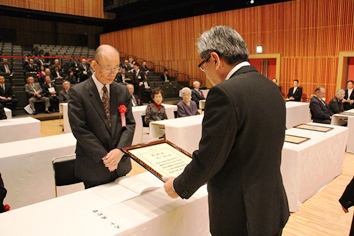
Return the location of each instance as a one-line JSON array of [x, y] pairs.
[[307, 34], [89, 8]]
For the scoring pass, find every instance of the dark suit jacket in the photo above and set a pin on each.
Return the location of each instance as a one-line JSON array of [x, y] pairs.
[[196, 97], [8, 91], [335, 105], [347, 105], [2, 68], [141, 77], [162, 77], [3, 192], [63, 96], [54, 75], [119, 78], [95, 138], [138, 101], [81, 74], [238, 159], [320, 113], [45, 87], [28, 68], [297, 95]]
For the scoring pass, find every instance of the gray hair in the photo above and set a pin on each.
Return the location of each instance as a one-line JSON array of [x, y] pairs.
[[186, 90], [319, 88], [339, 91], [226, 42]]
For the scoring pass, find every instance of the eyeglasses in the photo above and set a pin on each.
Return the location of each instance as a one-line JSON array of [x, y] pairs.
[[205, 60], [108, 70]]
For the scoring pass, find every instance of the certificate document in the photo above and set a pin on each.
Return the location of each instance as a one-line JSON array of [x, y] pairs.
[[161, 158]]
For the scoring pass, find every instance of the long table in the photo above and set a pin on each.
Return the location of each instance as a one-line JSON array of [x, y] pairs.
[[88, 213], [306, 167], [350, 124], [19, 129], [26, 168], [309, 166], [297, 113]]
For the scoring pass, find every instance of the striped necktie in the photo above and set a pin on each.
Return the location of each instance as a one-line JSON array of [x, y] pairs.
[[106, 105]]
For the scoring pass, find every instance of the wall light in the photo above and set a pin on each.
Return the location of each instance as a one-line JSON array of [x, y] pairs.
[[259, 49]]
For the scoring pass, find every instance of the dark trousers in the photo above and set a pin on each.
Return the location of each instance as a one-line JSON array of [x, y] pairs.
[[93, 183]]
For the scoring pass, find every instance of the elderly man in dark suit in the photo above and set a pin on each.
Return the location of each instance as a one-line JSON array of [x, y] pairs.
[[236, 157], [64, 93], [348, 102], [6, 96], [197, 94], [295, 93], [101, 119], [320, 112], [5, 67], [35, 92]]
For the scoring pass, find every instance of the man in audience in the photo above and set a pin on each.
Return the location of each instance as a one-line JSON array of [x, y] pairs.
[[6, 67], [56, 73], [144, 67], [74, 66], [240, 149], [34, 92], [64, 93], [349, 96], [84, 71], [127, 66], [120, 77], [31, 67], [197, 94], [6, 96], [139, 77], [165, 77], [134, 98], [56, 63], [336, 104], [40, 61], [320, 112], [50, 91], [295, 93], [97, 122]]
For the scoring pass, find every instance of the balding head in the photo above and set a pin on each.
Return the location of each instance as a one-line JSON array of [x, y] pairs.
[[104, 50]]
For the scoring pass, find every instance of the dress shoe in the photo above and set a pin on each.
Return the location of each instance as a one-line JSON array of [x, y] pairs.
[[34, 113], [48, 112]]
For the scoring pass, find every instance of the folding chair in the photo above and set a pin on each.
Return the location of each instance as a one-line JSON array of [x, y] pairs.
[[64, 171]]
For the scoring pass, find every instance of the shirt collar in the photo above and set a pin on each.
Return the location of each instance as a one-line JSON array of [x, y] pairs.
[[236, 68], [99, 85]]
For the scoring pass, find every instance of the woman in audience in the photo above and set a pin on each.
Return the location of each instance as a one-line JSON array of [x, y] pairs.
[[186, 107], [71, 77], [155, 111], [41, 75]]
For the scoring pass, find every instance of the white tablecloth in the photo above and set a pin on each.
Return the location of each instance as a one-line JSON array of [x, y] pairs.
[[139, 111], [308, 167], [19, 129], [297, 113], [8, 113], [350, 125], [185, 132], [87, 213], [26, 168]]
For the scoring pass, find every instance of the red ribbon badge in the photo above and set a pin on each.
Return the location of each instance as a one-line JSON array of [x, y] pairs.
[[122, 110], [6, 207]]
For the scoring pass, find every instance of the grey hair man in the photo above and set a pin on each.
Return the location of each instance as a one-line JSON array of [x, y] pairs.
[[336, 103], [320, 112], [236, 157]]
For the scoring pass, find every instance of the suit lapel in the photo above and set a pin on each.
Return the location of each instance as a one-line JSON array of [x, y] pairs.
[[114, 102], [97, 102]]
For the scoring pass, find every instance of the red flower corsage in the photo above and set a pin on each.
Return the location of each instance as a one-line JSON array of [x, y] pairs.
[[122, 110], [138, 101], [6, 207]]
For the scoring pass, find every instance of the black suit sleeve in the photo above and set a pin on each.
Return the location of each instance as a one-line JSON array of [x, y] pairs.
[[218, 137], [347, 199]]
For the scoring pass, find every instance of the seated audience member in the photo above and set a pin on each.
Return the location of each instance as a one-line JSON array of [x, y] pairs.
[[84, 71], [139, 77], [56, 63], [56, 73], [320, 112], [155, 111], [50, 91], [336, 104], [135, 99], [197, 94], [6, 67], [276, 82], [6, 96], [41, 75], [64, 94], [71, 77], [349, 96], [144, 67], [34, 92], [120, 77], [74, 66], [127, 66], [186, 107], [295, 93], [25, 61], [40, 61], [165, 77], [31, 67], [2, 113], [2, 195]]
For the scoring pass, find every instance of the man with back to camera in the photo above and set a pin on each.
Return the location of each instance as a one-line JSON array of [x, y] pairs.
[[236, 157], [295, 93], [97, 124]]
